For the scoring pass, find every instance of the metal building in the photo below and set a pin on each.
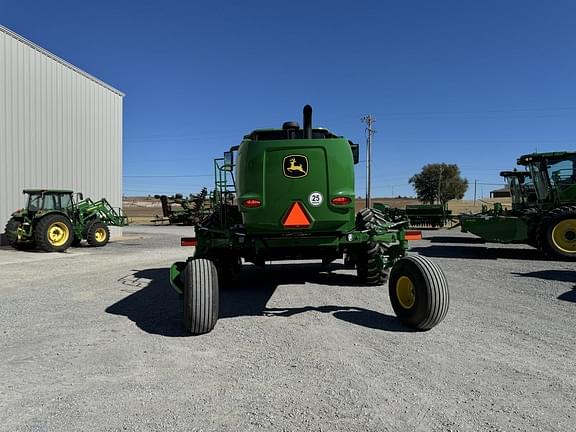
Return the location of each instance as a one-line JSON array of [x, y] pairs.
[[59, 127]]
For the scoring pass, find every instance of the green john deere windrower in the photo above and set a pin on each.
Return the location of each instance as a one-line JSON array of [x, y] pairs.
[[292, 197], [53, 220], [543, 212]]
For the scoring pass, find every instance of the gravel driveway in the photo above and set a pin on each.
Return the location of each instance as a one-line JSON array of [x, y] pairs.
[[92, 339]]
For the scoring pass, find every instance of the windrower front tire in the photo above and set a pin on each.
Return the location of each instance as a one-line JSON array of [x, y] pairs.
[[418, 292], [200, 296]]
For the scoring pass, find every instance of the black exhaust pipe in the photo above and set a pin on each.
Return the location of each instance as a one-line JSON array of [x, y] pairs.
[[307, 122]]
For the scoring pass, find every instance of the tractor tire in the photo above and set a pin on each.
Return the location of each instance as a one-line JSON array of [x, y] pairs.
[[200, 296], [97, 234], [530, 216], [369, 267], [10, 231], [556, 234], [418, 292], [53, 233]]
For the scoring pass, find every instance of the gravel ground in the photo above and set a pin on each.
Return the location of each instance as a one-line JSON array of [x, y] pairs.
[[92, 340]]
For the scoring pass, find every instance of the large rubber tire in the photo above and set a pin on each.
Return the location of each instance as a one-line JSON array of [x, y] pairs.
[[97, 234], [418, 292], [530, 216], [53, 233], [200, 296], [10, 232], [556, 234], [368, 265]]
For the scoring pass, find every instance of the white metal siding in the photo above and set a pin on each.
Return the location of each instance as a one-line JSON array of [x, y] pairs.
[[59, 128]]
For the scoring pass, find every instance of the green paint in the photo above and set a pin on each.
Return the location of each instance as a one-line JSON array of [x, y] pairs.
[[330, 172], [499, 229]]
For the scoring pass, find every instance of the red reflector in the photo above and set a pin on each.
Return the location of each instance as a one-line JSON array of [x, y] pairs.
[[341, 200], [188, 241], [251, 203], [296, 217], [413, 235]]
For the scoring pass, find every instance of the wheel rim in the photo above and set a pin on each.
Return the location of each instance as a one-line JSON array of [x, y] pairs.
[[100, 235], [564, 236], [405, 292], [58, 234]]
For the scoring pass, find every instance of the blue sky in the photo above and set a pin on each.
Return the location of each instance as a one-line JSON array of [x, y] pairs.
[[476, 83]]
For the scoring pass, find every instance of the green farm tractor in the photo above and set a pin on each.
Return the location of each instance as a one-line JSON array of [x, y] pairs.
[[543, 213], [288, 194], [53, 220]]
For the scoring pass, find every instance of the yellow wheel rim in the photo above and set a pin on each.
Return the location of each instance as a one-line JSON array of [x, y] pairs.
[[58, 234], [405, 292], [564, 236], [100, 235]]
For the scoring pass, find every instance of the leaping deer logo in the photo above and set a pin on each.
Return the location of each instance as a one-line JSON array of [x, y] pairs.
[[295, 166]]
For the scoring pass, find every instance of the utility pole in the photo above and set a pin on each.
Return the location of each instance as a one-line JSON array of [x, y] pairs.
[[440, 184], [369, 120], [475, 191]]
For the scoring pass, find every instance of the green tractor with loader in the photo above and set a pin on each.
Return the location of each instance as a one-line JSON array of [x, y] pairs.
[[288, 194], [543, 213], [53, 220]]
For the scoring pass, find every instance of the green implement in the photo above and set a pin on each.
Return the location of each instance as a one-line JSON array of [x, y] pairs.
[[185, 211], [543, 213], [428, 215]]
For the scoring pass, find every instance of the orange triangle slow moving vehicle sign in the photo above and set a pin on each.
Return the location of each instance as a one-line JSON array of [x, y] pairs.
[[296, 217]]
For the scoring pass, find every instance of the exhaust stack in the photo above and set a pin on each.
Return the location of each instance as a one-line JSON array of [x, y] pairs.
[[307, 122]]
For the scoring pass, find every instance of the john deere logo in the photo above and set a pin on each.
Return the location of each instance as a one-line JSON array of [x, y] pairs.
[[295, 166]]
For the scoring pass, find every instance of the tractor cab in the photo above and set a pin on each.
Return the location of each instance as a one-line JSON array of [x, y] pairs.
[[42, 200], [554, 177], [521, 188]]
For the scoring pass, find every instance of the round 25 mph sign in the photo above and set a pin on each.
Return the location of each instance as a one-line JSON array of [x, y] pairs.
[[315, 199]]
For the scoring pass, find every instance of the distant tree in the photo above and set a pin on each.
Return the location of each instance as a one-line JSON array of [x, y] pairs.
[[439, 183]]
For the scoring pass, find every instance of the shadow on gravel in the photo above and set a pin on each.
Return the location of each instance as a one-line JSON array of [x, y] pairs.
[[569, 296], [152, 303], [553, 275], [157, 309], [457, 239], [473, 252], [556, 275], [354, 315]]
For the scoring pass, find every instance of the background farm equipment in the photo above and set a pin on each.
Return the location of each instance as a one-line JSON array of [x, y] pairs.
[[428, 215], [55, 219], [292, 197], [543, 212], [186, 211]]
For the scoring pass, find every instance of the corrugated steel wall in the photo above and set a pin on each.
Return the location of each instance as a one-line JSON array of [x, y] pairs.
[[59, 128]]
